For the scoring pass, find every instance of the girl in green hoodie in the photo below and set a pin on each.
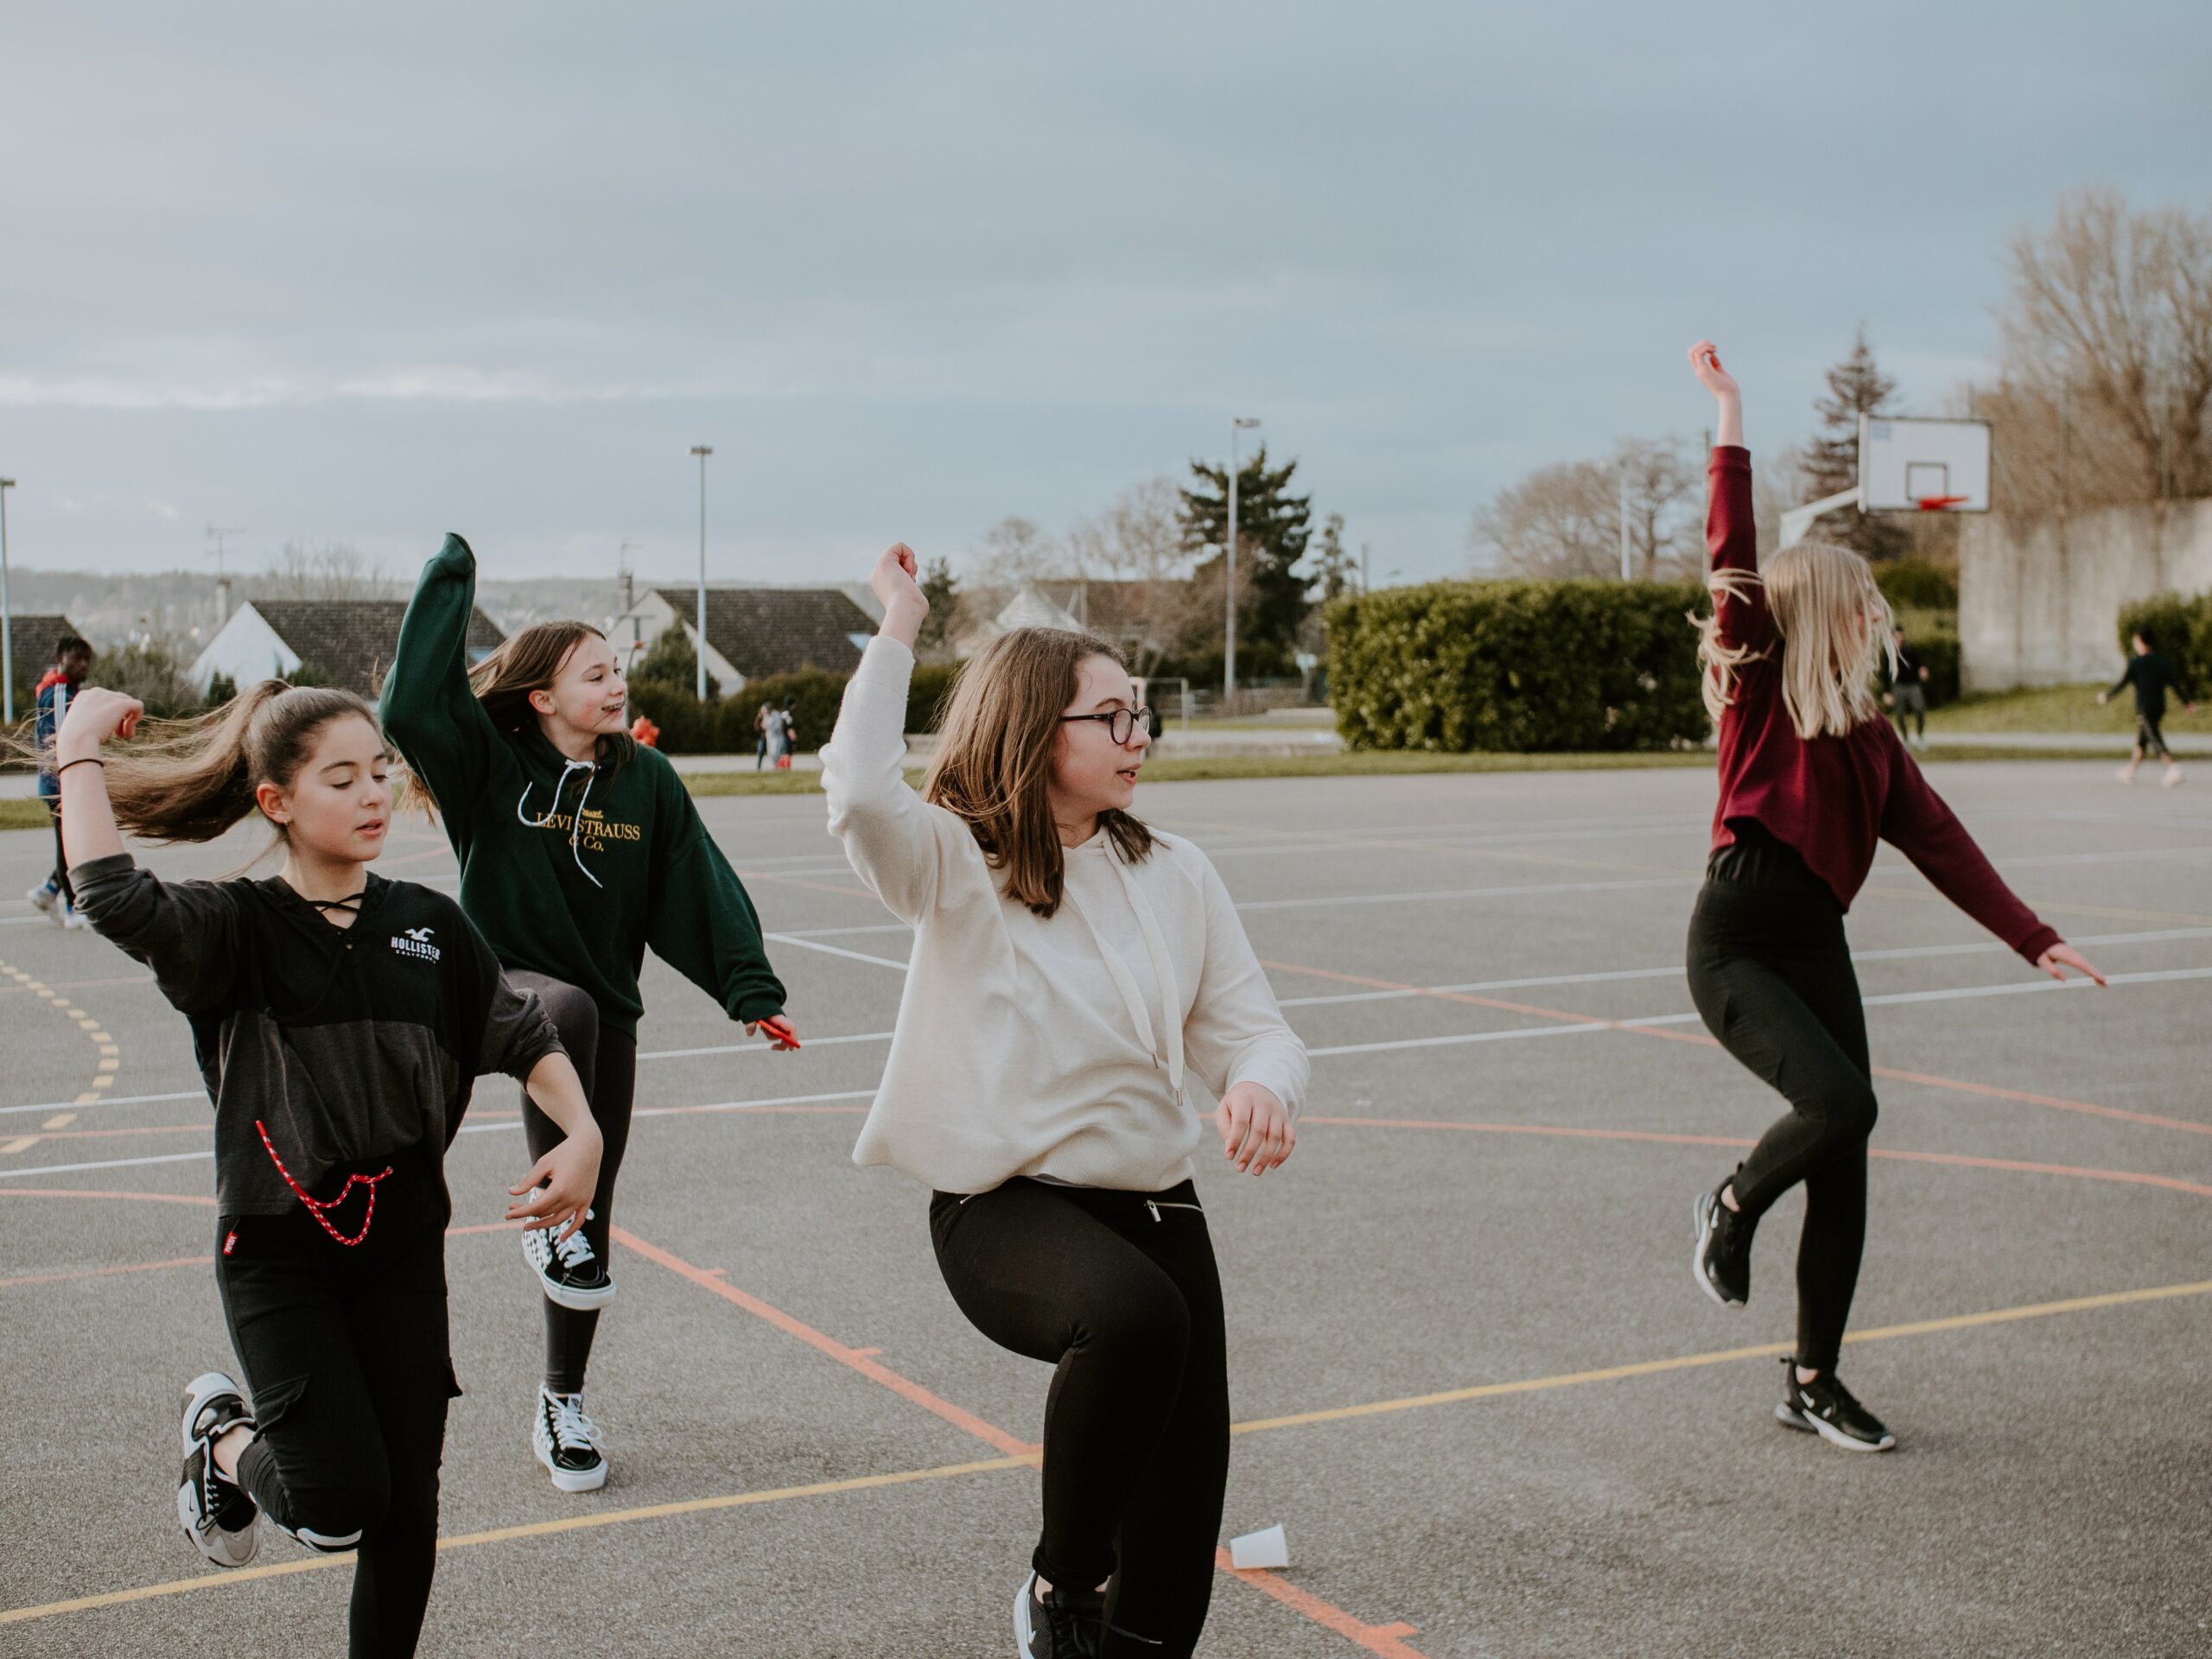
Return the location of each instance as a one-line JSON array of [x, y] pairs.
[[578, 849]]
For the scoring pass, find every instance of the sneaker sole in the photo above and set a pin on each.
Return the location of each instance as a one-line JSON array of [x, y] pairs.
[[577, 1301], [224, 1548], [1789, 1418], [1697, 1253], [197, 1392], [572, 1480], [1024, 1632]]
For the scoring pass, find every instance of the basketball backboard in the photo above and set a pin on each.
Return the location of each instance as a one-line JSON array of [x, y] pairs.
[[1916, 466]]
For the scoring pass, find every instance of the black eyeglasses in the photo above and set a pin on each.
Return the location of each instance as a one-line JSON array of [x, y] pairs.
[[1121, 725]]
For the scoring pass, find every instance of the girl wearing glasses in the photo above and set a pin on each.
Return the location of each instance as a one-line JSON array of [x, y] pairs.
[[1070, 966]]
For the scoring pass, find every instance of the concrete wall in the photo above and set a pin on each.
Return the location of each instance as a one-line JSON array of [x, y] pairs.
[[2039, 597]]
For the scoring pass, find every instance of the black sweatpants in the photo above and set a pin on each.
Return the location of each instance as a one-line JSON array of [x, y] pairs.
[[345, 1356], [1772, 974], [1119, 1292], [2148, 738], [607, 1061], [60, 876]]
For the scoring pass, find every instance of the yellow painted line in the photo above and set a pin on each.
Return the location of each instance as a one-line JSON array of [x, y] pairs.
[[21, 1143], [1690, 1362], [60, 1120], [942, 1471], [504, 1535]]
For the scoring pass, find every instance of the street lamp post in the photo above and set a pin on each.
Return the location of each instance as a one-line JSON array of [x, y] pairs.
[[702, 451], [7, 616], [1236, 425]]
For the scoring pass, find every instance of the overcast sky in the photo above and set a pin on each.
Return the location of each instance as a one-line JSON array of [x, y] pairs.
[[372, 273]]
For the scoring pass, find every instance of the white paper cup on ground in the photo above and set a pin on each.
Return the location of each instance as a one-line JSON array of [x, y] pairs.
[[1264, 1549]]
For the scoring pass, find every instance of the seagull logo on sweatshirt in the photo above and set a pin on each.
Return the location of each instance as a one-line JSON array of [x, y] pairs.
[[415, 942]]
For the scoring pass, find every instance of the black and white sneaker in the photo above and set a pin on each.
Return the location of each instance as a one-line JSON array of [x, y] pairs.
[[1058, 1623], [1824, 1407], [1722, 1261], [571, 1271], [567, 1442], [216, 1514]]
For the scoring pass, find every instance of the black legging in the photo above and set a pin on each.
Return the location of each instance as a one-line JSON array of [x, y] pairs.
[[607, 1061], [346, 1357], [1772, 974], [60, 876], [1119, 1291]]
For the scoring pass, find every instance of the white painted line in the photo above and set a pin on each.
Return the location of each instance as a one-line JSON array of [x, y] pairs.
[[2156, 977], [1431, 895], [761, 1048], [117, 1100], [839, 933], [108, 1163], [834, 950]]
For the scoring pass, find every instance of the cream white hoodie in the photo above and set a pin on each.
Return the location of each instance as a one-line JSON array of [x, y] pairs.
[[1061, 1047]]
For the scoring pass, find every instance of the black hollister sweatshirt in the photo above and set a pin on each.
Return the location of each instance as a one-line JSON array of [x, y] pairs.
[[340, 1045]]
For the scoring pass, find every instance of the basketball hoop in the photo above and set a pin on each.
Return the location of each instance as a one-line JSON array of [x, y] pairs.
[[1940, 503]]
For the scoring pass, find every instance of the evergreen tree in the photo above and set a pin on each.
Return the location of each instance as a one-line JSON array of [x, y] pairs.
[[1856, 387], [1332, 565], [942, 589], [1272, 527]]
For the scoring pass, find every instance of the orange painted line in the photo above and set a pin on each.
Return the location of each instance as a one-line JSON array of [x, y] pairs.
[[1386, 1639], [2133, 1176], [1011, 1445], [87, 1192], [107, 1273], [1705, 1039], [207, 1128]]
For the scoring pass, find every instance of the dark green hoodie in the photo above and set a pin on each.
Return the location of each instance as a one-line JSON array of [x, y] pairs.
[[570, 869]]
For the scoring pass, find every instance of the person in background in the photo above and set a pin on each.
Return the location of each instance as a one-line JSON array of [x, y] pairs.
[[761, 721], [1908, 690], [2150, 672], [73, 660]]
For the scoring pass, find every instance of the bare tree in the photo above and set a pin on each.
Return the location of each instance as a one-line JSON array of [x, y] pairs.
[[333, 570], [1018, 549], [1137, 572], [1564, 521], [2106, 394]]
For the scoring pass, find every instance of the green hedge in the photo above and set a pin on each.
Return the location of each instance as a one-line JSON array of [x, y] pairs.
[[1933, 637], [724, 726], [1522, 666], [2180, 628], [1916, 585]]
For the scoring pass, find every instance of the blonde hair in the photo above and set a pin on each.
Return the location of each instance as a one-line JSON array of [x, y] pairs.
[[1832, 628], [993, 761]]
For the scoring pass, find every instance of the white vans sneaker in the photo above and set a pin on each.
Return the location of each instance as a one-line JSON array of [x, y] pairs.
[[567, 1442]]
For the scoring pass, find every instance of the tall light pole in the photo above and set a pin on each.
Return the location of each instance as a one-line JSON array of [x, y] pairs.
[[1236, 425], [702, 451], [7, 616]]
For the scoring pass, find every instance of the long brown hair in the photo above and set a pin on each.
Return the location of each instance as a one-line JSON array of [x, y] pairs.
[[519, 664], [993, 761], [190, 780]]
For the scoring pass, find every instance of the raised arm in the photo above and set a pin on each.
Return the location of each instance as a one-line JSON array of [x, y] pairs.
[[899, 846], [426, 707], [186, 933], [1731, 535]]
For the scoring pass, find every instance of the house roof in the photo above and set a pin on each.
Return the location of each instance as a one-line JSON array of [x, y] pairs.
[[762, 631], [350, 642], [30, 644]]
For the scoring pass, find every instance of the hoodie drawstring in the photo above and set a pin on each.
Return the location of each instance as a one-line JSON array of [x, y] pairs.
[[576, 824]]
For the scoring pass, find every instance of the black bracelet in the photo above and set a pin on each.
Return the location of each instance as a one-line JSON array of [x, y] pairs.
[[85, 761]]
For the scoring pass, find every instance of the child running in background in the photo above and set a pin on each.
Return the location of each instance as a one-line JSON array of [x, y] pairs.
[[1070, 962], [73, 660], [578, 847], [339, 1020], [2150, 673], [1811, 775]]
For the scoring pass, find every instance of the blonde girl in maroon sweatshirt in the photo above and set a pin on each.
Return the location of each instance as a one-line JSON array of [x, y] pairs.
[[1811, 777]]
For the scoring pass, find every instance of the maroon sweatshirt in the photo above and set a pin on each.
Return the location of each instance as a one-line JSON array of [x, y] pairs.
[[1831, 798]]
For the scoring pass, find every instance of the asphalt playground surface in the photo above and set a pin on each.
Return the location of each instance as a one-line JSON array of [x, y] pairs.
[[1471, 1374]]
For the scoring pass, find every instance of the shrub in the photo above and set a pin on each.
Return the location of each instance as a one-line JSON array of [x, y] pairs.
[[1524, 666], [1933, 636], [1916, 584], [724, 726], [2180, 628]]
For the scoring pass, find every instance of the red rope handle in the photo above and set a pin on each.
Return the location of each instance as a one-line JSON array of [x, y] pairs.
[[316, 1210]]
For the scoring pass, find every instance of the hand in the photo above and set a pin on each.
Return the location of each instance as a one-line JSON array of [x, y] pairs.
[[1704, 363], [96, 715], [2101, 697], [1256, 1132], [778, 1030], [560, 1185], [1888, 701], [894, 582], [2056, 960]]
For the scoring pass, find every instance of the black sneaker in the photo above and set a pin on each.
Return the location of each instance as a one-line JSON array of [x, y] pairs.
[[1722, 1262], [571, 1271], [1058, 1623], [568, 1443], [215, 1512], [1824, 1407]]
